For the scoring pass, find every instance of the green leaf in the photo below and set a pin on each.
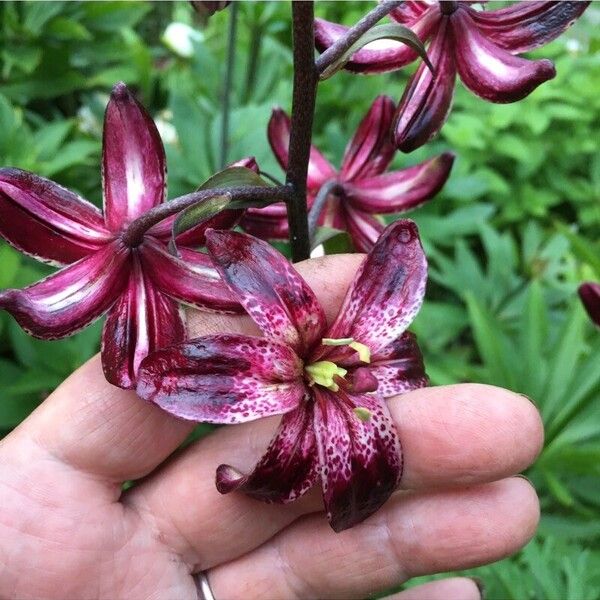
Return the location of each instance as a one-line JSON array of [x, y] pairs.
[[323, 234], [388, 31]]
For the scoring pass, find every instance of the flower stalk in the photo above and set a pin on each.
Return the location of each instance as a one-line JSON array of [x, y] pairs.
[[227, 83]]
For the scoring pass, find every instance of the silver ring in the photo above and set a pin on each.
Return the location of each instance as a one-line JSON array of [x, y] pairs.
[[203, 587]]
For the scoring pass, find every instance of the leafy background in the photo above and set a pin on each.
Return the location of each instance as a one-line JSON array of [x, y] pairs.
[[509, 238]]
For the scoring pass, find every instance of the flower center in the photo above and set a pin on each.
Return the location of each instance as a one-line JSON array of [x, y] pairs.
[[448, 6], [326, 373]]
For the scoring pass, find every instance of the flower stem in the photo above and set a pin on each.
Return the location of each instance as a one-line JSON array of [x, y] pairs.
[[327, 188], [227, 83], [337, 49], [134, 234], [303, 108]]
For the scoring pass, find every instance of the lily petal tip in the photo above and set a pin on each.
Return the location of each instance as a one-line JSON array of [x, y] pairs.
[[120, 91], [228, 479]]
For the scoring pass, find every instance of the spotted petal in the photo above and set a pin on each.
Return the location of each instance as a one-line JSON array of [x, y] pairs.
[[524, 26], [269, 223], [289, 467], [223, 379], [381, 55], [386, 293], [133, 160], [427, 99], [491, 72], [46, 221], [371, 149], [590, 296], [399, 367], [269, 288], [319, 168], [141, 321], [72, 298], [402, 190], [361, 461], [191, 279]]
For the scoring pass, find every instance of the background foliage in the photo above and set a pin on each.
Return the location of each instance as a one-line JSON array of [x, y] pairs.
[[509, 238]]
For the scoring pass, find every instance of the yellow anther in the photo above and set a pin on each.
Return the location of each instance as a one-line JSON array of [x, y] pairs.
[[322, 373], [364, 352]]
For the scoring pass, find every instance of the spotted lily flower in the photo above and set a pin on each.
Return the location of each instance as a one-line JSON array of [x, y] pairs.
[[140, 284], [590, 296], [330, 383], [481, 45], [360, 189]]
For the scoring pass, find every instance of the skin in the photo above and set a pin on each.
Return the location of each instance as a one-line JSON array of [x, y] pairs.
[[68, 531]]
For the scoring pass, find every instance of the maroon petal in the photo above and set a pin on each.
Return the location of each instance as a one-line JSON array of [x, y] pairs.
[[319, 168], [590, 296], [223, 379], [489, 71], [276, 297], [403, 190], [133, 160], [364, 229], [427, 99], [371, 149], [44, 220], [386, 292], [269, 223], [72, 298], [409, 12], [399, 367], [379, 56], [524, 26], [141, 321], [191, 279], [361, 460], [289, 467]]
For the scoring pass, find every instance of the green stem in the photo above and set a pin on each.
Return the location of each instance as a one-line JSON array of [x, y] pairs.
[[227, 83]]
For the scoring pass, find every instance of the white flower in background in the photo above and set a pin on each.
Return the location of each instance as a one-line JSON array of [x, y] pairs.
[[180, 39], [166, 129]]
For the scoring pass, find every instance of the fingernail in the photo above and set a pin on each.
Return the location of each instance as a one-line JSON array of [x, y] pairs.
[[521, 476], [480, 586], [530, 400]]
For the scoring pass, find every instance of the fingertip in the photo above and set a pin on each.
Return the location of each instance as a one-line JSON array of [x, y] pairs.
[[452, 588]]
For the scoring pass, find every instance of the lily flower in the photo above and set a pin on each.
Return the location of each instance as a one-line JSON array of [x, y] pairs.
[[481, 45], [329, 383], [590, 296], [360, 189], [139, 283]]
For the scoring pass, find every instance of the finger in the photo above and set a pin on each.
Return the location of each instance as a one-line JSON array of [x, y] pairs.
[[414, 534], [101, 429], [453, 588], [451, 435]]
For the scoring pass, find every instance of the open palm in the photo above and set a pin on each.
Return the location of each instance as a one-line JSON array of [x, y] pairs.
[[67, 530]]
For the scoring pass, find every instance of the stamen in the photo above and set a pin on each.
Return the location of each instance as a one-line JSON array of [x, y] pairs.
[[364, 352], [362, 413], [323, 373]]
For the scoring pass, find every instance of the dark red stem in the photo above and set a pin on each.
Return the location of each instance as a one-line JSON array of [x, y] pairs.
[[303, 108]]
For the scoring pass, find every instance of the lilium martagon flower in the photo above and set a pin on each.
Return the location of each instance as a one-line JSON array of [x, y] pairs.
[[590, 297], [329, 383], [482, 45], [139, 283], [361, 188]]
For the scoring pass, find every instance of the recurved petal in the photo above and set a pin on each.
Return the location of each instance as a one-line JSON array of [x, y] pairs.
[[44, 220], [399, 367], [223, 379], [273, 293], [371, 149], [409, 12], [319, 168], [361, 460], [590, 296], [524, 26], [266, 225], [386, 292], [190, 278], [140, 322], [381, 55], [491, 72], [289, 467], [427, 99], [133, 160], [402, 190], [72, 298], [364, 229]]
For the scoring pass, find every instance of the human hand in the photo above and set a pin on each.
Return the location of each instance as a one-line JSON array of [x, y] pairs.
[[67, 530]]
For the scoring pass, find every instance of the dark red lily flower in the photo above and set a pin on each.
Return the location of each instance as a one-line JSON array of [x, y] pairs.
[[330, 383], [140, 287], [207, 8], [480, 45], [361, 188], [590, 296]]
